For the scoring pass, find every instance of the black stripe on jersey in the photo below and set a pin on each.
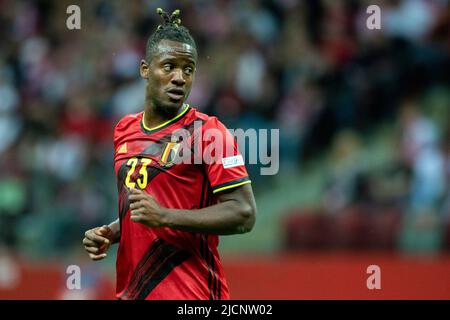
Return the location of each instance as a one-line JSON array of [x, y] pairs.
[[214, 280], [155, 149], [206, 194], [152, 172], [231, 183], [173, 257], [123, 193], [142, 265], [210, 272], [209, 259], [205, 252], [156, 264], [123, 204], [209, 196], [203, 195]]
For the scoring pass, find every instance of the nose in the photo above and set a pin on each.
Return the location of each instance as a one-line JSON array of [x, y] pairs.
[[178, 78]]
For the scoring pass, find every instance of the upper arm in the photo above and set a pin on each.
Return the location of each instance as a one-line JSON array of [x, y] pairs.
[[227, 174], [242, 196]]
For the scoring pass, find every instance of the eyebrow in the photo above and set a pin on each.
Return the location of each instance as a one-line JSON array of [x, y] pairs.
[[172, 58]]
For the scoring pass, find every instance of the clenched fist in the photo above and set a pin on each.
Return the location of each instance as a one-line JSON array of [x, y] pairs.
[[145, 209], [97, 242]]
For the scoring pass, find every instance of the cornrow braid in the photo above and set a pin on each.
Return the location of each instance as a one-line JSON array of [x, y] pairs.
[[170, 29]]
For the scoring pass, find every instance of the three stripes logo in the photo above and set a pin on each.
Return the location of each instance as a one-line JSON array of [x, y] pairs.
[[123, 148]]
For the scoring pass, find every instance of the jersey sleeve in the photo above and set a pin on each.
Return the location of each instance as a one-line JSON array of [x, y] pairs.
[[121, 130], [224, 164]]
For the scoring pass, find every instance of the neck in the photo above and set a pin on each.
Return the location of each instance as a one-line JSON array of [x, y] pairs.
[[154, 116]]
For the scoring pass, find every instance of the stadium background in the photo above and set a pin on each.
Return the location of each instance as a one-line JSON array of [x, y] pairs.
[[364, 140]]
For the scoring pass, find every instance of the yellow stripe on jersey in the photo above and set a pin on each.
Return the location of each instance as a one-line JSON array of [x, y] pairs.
[[166, 152], [231, 186], [165, 123]]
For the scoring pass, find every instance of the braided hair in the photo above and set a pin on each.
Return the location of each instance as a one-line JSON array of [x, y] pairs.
[[170, 29]]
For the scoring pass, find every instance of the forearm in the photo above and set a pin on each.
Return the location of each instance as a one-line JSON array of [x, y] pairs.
[[229, 217], [115, 228]]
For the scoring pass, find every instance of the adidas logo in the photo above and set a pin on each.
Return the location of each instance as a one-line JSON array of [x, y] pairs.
[[123, 148]]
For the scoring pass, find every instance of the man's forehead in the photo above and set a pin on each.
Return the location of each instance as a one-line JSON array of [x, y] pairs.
[[175, 48]]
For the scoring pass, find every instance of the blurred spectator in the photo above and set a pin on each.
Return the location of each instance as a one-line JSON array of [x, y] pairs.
[[336, 90]]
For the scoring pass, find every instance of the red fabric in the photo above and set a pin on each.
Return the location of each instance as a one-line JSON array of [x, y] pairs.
[[188, 263]]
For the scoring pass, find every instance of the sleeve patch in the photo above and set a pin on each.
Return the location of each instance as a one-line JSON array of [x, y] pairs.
[[231, 162]]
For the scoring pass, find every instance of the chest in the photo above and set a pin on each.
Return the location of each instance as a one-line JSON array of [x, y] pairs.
[[138, 161]]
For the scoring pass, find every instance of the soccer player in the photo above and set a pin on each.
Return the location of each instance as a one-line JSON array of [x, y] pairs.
[[173, 203]]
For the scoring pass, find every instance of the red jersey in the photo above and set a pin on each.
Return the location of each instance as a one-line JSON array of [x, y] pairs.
[[163, 263]]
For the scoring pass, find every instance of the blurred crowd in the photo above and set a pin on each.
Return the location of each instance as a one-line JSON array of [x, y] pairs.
[[310, 68]]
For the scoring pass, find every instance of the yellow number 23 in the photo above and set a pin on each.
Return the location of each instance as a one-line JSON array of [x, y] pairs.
[[143, 179]]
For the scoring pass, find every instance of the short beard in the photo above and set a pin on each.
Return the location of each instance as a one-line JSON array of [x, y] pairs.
[[160, 109], [164, 111]]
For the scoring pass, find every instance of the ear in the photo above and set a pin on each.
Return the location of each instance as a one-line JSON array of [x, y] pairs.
[[144, 69]]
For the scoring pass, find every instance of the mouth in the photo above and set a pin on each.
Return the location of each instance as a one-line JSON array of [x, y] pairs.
[[175, 93]]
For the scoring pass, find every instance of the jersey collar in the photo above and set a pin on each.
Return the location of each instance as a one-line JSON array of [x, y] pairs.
[[165, 124]]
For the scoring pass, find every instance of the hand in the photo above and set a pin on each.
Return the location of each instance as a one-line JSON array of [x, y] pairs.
[[97, 242], [145, 209]]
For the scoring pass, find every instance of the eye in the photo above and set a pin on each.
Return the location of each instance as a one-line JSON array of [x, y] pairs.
[[168, 67], [189, 70]]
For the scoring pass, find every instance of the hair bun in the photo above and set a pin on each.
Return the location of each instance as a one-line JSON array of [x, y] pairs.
[[173, 19]]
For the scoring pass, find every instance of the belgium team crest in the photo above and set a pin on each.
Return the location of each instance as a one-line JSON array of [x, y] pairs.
[[169, 154]]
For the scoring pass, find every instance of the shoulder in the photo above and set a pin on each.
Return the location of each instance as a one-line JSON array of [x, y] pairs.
[[208, 121], [128, 120]]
